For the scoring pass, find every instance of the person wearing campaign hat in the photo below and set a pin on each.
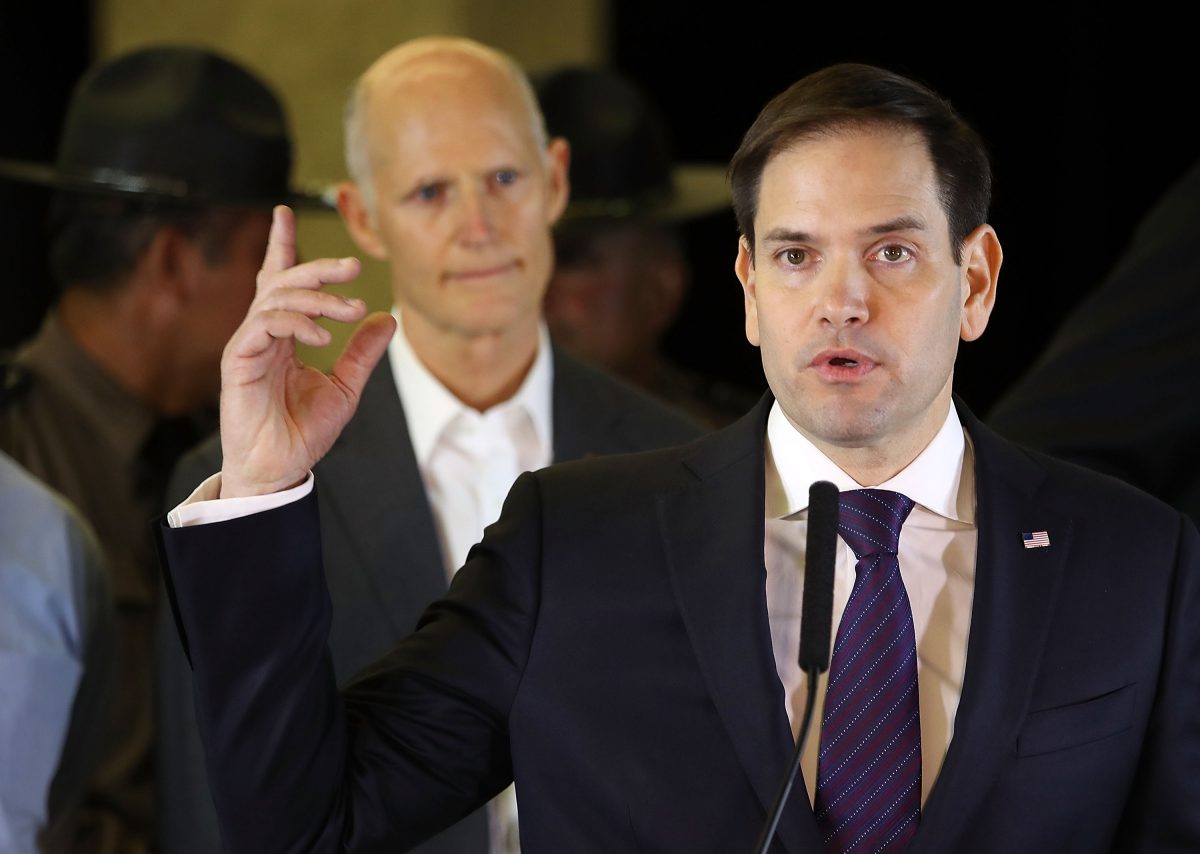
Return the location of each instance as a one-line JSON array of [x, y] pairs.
[[621, 270], [169, 163]]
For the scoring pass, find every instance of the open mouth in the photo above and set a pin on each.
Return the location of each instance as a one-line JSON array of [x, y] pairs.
[[843, 364]]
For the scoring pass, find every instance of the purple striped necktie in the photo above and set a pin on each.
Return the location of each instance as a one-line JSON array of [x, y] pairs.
[[868, 795]]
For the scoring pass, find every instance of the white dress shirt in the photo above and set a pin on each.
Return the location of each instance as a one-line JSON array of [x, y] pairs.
[[469, 459], [937, 563]]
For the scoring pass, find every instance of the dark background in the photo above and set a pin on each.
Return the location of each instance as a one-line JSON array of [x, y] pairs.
[[1087, 112], [44, 47], [1088, 115]]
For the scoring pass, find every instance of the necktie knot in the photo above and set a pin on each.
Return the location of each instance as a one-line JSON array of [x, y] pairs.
[[869, 520]]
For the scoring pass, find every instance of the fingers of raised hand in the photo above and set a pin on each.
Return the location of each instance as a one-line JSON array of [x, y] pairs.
[[281, 240], [291, 313], [310, 275]]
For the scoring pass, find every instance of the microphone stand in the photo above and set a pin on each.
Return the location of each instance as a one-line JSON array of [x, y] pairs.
[[816, 617], [768, 832]]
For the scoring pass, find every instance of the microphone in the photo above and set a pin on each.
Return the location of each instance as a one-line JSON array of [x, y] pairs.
[[816, 614], [816, 623]]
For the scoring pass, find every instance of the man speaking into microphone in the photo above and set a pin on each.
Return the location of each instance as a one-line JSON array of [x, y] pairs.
[[1015, 656]]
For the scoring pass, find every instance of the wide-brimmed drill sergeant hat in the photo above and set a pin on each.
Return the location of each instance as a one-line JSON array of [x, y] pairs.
[[175, 126], [622, 163]]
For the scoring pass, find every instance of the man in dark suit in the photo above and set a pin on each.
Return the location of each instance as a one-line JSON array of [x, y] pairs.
[[471, 393], [619, 642]]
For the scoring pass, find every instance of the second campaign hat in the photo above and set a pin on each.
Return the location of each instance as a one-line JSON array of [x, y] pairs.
[[622, 165], [174, 125]]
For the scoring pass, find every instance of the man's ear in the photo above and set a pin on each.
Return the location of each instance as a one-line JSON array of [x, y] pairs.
[[171, 267], [558, 182], [980, 273], [743, 267], [359, 220], [667, 287]]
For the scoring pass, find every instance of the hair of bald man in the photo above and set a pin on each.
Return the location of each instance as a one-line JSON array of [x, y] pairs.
[[358, 149]]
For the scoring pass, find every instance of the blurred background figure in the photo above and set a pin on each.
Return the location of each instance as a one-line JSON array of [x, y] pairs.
[[57, 642], [169, 162], [621, 269], [1110, 390]]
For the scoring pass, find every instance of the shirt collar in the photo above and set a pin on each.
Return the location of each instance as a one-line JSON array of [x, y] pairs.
[[430, 407], [940, 479]]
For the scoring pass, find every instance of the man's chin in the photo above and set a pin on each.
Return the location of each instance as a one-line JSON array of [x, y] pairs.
[[844, 427], [500, 316]]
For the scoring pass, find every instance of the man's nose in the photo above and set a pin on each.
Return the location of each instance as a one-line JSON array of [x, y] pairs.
[[476, 217], [843, 291]]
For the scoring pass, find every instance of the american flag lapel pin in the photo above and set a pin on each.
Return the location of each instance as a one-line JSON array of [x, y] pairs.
[[1036, 539]]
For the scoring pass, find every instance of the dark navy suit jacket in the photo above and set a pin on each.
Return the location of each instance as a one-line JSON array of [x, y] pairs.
[[607, 645], [385, 565]]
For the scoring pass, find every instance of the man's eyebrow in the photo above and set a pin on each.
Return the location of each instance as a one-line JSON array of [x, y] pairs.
[[786, 235], [907, 222], [900, 223]]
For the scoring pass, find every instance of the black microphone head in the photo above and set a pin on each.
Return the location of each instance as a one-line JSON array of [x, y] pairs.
[[816, 616]]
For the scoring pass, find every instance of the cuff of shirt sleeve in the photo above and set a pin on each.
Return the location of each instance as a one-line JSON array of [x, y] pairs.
[[205, 504]]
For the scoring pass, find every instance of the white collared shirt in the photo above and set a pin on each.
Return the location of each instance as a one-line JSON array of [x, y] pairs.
[[468, 459], [937, 563]]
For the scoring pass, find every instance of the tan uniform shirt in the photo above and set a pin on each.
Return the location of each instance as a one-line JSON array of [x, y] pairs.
[[72, 426]]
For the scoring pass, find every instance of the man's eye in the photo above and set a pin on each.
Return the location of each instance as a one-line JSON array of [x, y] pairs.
[[505, 176], [894, 253], [795, 257], [428, 192]]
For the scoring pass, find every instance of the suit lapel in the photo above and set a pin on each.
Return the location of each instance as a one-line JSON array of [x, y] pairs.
[[373, 491], [585, 421], [591, 417], [719, 579], [718, 574], [374, 495], [1016, 589]]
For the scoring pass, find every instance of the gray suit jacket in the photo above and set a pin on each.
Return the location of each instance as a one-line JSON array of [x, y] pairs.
[[375, 517]]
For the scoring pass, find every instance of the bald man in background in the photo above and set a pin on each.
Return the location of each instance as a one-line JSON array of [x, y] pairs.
[[455, 184]]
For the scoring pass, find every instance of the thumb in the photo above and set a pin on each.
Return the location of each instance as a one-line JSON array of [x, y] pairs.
[[363, 351]]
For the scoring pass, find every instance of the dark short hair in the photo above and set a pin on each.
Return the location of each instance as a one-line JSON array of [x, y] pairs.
[[852, 95], [96, 242]]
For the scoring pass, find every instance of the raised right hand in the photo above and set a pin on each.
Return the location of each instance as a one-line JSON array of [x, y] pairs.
[[278, 415]]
